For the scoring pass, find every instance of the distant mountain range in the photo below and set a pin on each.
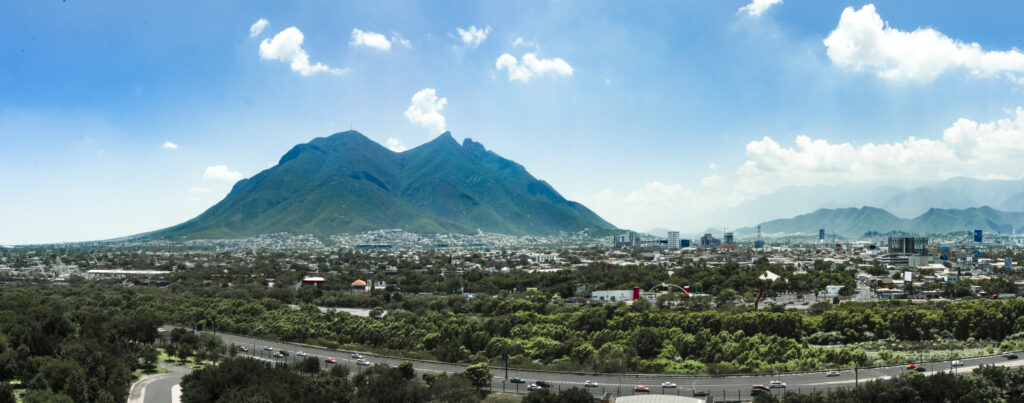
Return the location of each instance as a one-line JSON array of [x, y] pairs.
[[347, 183], [902, 199], [855, 222]]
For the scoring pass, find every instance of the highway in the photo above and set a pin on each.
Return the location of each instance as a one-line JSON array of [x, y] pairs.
[[732, 387]]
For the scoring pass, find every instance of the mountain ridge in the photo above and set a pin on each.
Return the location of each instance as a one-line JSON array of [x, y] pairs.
[[855, 222], [347, 183]]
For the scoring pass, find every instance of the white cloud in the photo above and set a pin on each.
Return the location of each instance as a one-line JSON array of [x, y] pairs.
[[221, 173], [711, 180], [170, 145], [425, 111], [472, 36], [198, 189], [396, 144], [370, 39], [862, 41], [257, 28], [522, 42], [397, 38], [757, 7], [532, 66], [286, 46], [712, 165], [967, 148]]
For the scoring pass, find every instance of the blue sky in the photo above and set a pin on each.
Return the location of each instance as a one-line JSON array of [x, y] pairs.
[[651, 113]]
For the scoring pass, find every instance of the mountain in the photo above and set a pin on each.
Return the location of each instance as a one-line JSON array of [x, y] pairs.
[[854, 222], [347, 183], [906, 199]]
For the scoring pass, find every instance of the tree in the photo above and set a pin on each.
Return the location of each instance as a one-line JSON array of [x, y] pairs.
[[407, 370], [453, 388], [479, 375], [309, 365]]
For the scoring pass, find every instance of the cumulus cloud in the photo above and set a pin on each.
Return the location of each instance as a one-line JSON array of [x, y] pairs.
[[257, 28], [396, 145], [757, 7], [864, 42], [472, 36], [286, 46], [711, 180], [370, 39], [170, 145], [532, 66], [967, 148], [221, 173], [425, 111]]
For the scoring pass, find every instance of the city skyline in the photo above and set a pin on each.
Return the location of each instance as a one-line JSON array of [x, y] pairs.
[[121, 118]]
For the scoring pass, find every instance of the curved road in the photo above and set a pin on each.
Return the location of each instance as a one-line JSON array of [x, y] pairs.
[[163, 388], [722, 387]]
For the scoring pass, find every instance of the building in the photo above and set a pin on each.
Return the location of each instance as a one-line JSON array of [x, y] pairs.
[[708, 241], [908, 245], [673, 239], [978, 236], [684, 243], [821, 235], [629, 239], [729, 239]]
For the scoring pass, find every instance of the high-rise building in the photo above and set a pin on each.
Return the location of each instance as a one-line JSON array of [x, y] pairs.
[[629, 239], [821, 235], [729, 239], [908, 245], [708, 240], [684, 243], [673, 239], [978, 235]]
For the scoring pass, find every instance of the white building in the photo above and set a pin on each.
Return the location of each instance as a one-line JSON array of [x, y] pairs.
[[673, 239]]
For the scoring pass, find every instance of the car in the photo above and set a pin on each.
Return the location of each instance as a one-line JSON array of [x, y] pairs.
[[363, 362], [533, 386], [776, 384], [277, 354], [243, 349], [268, 348], [759, 390], [641, 388], [910, 367], [301, 353], [161, 330], [357, 356], [284, 353], [543, 384], [920, 369], [1010, 356], [517, 380], [590, 384], [330, 360], [832, 373], [957, 363], [667, 385]]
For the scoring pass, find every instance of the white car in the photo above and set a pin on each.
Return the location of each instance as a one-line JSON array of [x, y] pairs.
[[776, 384], [301, 353], [957, 363], [363, 362], [532, 387], [667, 385], [590, 384], [832, 373]]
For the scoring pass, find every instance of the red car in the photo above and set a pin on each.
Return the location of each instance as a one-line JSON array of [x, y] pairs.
[[641, 388], [330, 360], [911, 366]]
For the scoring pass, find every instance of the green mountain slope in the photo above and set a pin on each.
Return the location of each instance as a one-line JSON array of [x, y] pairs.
[[854, 222], [347, 183]]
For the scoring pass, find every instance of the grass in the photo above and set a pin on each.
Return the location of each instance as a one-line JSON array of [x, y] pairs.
[[164, 357]]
